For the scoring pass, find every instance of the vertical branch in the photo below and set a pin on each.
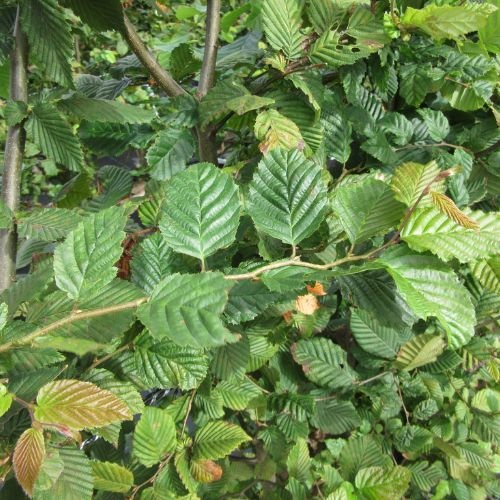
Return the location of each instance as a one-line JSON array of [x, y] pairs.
[[14, 150], [207, 75], [207, 145]]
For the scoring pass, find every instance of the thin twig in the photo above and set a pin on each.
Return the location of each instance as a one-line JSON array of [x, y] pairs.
[[188, 411], [102, 360], [435, 145]]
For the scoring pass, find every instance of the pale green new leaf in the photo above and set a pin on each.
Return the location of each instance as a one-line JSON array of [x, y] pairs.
[[109, 476], [103, 110], [373, 337], [187, 309], [411, 179], [419, 351], [430, 229], [79, 405], [281, 20], [53, 134], [165, 364], [448, 21], [366, 208], [170, 153], [217, 439], [48, 224], [323, 362], [84, 262], [432, 289], [201, 211], [49, 38], [101, 15], [154, 436], [374, 483], [287, 196], [487, 272]]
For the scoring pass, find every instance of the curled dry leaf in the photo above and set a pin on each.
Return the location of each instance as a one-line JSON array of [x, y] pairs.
[[316, 289], [307, 304]]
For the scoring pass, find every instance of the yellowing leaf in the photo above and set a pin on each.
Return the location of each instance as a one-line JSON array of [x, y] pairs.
[[448, 207], [79, 405], [307, 304], [28, 458], [205, 471], [276, 130]]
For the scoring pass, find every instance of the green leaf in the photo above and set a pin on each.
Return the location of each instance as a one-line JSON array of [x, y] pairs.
[[359, 453], [322, 14], [15, 112], [448, 21], [53, 134], [487, 272], [48, 224], [330, 50], [187, 309], [165, 364], [83, 263], [103, 110], [430, 229], [49, 38], [5, 216], [437, 123], [415, 84], [101, 15], [201, 211], [154, 436], [323, 362], [298, 461], [374, 483], [217, 439], [78, 405], [111, 477], [336, 417], [338, 135], [488, 33], [432, 289], [411, 179], [231, 360], [419, 351], [170, 153], [76, 479], [366, 208], [28, 457], [373, 337], [4, 311], [287, 196], [467, 97], [275, 130], [245, 103], [214, 104], [281, 20], [115, 183]]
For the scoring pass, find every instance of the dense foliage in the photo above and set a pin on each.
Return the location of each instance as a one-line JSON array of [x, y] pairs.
[[266, 271]]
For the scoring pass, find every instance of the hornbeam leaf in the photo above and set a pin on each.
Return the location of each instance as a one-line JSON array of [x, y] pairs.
[[411, 179], [374, 483], [187, 309], [281, 19], [154, 436], [83, 263], [165, 364], [429, 229], [28, 457], [50, 130], [201, 211], [101, 15], [323, 362], [432, 289], [48, 224], [277, 131], [79, 405], [419, 351], [49, 38], [373, 337], [245, 103], [287, 196], [103, 110], [366, 208], [113, 477], [217, 439], [487, 273], [448, 207]]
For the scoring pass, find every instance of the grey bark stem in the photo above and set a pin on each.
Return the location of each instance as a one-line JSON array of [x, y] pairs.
[[207, 143], [162, 77], [13, 160]]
